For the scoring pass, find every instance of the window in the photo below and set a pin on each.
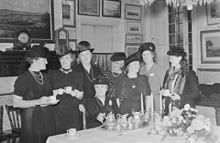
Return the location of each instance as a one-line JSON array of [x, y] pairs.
[[180, 30]]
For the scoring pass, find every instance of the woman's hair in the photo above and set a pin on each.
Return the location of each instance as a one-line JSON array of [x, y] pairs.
[[30, 60]]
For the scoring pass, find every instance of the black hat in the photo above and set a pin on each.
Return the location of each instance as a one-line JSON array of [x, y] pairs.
[[38, 51], [64, 50], [100, 81], [147, 47], [132, 58], [176, 51], [83, 46], [118, 56]]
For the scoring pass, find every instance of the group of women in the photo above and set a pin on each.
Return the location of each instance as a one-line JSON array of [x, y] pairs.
[[84, 88]]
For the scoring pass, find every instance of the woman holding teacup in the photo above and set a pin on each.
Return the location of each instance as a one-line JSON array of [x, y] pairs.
[[67, 85], [32, 92], [132, 87], [180, 84]]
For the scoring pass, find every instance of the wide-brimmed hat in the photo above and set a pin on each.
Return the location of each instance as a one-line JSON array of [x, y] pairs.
[[99, 81], [176, 51], [118, 56], [132, 58], [38, 51], [147, 47]]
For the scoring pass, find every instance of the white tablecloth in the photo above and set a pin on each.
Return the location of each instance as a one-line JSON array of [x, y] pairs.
[[101, 136]]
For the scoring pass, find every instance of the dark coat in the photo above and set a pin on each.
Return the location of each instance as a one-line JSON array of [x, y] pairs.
[[190, 90]]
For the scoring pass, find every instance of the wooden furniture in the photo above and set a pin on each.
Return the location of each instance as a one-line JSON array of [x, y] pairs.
[[210, 97], [14, 115], [4, 136]]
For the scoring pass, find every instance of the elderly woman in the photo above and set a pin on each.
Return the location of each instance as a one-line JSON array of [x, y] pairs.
[[153, 71], [114, 75], [131, 86], [67, 84], [32, 90], [100, 105], [89, 71], [180, 84]]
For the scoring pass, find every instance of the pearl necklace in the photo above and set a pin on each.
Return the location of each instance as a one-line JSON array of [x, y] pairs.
[[87, 75], [37, 77]]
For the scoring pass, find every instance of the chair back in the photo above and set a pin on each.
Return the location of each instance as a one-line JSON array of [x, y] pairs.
[[1, 119], [14, 115]]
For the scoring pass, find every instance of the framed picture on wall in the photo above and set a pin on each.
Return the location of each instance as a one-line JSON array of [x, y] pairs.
[[133, 12], [210, 46], [34, 15], [134, 27], [72, 44], [213, 13], [68, 13], [111, 8], [130, 49], [89, 7], [134, 39]]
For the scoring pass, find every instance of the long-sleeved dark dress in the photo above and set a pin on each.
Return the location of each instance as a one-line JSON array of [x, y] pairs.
[[66, 112], [94, 106], [89, 78], [129, 92], [37, 123]]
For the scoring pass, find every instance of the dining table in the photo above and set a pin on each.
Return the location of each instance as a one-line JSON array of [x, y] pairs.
[[99, 135]]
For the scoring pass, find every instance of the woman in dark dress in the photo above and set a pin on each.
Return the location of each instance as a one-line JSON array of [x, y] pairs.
[[32, 90], [100, 105], [67, 85], [132, 86], [89, 71], [114, 75], [180, 84]]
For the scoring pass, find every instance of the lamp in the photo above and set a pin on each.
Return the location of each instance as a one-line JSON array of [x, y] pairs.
[[180, 3]]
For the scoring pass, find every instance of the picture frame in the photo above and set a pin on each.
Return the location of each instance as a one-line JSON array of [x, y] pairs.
[[36, 16], [133, 12], [213, 13], [210, 46], [72, 44], [111, 8], [130, 49], [134, 39], [134, 27], [69, 13], [89, 7]]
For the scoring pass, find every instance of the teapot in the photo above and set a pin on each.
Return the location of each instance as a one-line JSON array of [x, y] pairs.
[[110, 117]]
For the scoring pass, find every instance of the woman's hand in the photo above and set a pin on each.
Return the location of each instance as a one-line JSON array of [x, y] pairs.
[[59, 91], [79, 94], [81, 108], [101, 117], [175, 96], [165, 93], [44, 101]]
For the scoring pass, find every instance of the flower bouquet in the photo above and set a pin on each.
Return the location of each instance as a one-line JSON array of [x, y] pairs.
[[185, 122]]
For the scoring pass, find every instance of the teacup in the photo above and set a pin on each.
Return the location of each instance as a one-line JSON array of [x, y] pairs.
[[68, 89], [166, 92], [71, 132]]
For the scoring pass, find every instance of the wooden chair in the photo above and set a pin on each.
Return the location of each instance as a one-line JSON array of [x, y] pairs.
[[3, 135], [14, 116]]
